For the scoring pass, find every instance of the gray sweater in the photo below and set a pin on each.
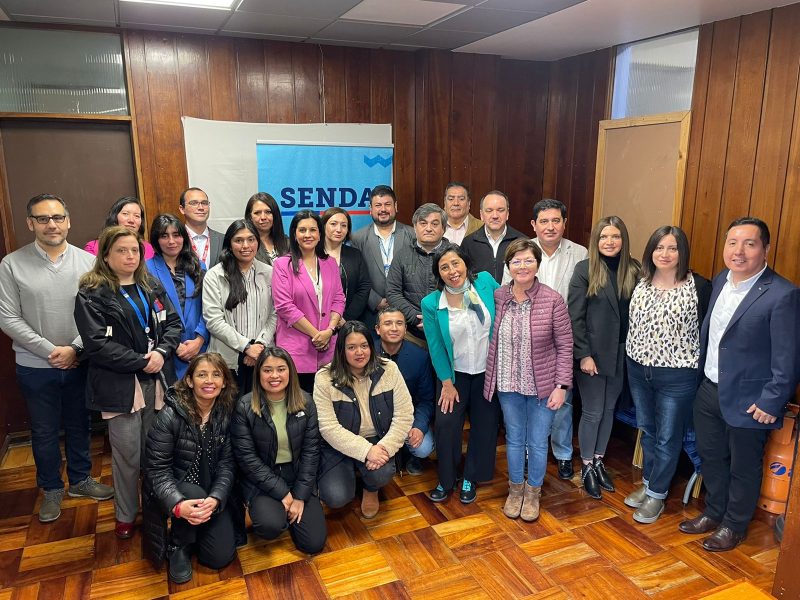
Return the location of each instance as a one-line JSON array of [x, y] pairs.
[[37, 299]]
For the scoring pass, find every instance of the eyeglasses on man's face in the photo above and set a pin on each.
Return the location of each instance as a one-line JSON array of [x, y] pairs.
[[196, 203], [45, 219]]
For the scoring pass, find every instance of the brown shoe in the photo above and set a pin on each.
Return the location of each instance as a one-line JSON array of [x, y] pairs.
[[701, 524], [722, 540], [530, 503], [369, 504], [513, 504]]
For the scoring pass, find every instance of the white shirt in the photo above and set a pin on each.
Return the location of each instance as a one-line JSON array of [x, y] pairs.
[[456, 234], [200, 240], [495, 244], [469, 357], [556, 271], [43, 253], [727, 302], [386, 246]]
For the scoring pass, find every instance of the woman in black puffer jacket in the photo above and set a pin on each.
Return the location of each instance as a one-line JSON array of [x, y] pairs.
[[275, 439], [190, 471]]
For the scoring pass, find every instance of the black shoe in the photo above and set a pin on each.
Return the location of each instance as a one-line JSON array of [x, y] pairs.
[[438, 494], [565, 470], [414, 466], [590, 484], [180, 564], [468, 492], [603, 478]]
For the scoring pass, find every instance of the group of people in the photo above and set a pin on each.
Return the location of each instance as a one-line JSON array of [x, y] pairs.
[[255, 370]]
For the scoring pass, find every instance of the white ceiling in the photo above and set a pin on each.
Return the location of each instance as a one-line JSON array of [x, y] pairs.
[[524, 29]]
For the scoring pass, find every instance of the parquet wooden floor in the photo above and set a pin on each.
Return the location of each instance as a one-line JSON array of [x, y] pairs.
[[579, 548]]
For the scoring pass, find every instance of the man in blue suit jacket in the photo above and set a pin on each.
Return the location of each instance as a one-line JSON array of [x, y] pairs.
[[749, 359]]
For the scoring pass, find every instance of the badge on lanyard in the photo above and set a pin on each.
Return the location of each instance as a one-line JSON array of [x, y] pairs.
[[143, 321]]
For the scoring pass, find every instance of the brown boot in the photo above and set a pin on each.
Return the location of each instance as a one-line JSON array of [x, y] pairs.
[[369, 504], [513, 504], [530, 503]]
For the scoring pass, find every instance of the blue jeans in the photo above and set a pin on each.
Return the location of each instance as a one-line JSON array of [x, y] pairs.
[[56, 397], [663, 397], [425, 446], [527, 420], [561, 430]]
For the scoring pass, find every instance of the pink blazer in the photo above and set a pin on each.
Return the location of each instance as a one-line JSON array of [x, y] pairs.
[[295, 298], [91, 248]]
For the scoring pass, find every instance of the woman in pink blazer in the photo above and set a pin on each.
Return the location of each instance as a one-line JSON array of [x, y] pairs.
[[309, 299]]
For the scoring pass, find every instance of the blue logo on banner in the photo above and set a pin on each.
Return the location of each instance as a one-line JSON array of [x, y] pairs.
[[302, 176]]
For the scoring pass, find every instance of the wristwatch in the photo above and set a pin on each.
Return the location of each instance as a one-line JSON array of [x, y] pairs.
[[561, 386]]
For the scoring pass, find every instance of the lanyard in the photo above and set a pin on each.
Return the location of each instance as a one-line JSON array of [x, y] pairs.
[[139, 315], [386, 252], [204, 257]]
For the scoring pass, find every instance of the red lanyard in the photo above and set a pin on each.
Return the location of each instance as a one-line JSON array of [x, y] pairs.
[[203, 258]]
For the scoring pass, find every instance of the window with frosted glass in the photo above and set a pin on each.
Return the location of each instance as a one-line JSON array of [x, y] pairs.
[[655, 76], [48, 71]]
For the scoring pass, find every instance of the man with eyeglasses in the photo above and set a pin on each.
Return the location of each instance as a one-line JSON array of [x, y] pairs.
[[38, 285], [559, 257], [206, 242]]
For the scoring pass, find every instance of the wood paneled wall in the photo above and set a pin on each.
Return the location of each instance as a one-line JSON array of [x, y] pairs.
[[744, 147], [477, 119]]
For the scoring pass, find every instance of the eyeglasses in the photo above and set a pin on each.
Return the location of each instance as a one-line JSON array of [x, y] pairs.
[[45, 219], [528, 262], [196, 203]]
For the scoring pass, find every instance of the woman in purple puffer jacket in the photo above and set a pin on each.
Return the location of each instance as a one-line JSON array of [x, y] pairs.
[[530, 367]]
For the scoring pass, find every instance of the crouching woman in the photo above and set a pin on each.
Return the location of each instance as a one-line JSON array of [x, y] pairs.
[[190, 471], [275, 439]]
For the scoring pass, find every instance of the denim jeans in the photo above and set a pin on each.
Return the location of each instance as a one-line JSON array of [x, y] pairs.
[[56, 397], [527, 420], [561, 430], [663, 397], [425, 446]]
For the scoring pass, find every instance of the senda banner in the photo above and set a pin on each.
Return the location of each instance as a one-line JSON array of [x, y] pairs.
[[316, 177]]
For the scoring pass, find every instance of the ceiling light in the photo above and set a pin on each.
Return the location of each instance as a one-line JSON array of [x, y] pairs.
[[218, 4], [401, 12]]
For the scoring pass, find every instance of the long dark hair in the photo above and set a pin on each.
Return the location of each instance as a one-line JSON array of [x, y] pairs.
[[237, 293], [187, 260], [295, 397], [649, 268], [185, 395], [276, 234], [628, 270], [116, 208], [294, 247], [456, 249], [341, 375]]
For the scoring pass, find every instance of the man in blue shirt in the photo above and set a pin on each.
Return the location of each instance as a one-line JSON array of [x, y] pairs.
[[415, 366]]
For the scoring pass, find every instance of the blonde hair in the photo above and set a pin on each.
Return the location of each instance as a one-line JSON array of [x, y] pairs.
[[628, 270], [101, 274]]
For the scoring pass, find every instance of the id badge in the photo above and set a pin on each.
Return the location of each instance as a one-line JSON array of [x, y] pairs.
[[150, 344]]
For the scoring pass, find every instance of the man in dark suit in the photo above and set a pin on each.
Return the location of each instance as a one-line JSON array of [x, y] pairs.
[[750, 365], [379, 243], [486, 247], [196, 208]]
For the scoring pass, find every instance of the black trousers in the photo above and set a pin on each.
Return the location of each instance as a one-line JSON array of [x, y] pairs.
[[270, 520], [306, 381], [732, 462], [337, 486], [213, 540], [484, 419]]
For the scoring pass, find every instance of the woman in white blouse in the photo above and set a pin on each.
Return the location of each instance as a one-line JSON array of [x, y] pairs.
[[663, 350]]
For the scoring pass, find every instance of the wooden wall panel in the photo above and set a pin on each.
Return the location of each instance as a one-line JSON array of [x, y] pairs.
[[744, 146], [251, 70], [280, 82], [193, 83]]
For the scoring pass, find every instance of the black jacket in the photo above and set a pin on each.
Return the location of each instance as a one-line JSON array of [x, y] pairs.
[[355, 283], [255, 446], [410, 279], [476, 246], [116, 347], [172, 444], [381, 409]]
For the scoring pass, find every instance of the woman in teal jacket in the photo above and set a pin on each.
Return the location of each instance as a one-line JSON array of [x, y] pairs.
[[458, 319]]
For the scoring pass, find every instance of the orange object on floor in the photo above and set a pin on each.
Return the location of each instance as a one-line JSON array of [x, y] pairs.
[[778, 463]]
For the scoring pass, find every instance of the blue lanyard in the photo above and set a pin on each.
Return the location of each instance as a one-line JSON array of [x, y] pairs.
[[386, 252], [142, 318]]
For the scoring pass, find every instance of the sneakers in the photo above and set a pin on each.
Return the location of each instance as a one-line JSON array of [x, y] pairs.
[[438, 494], [649, 511], [468, 492], [89, 488], [50, 509], [636, 497], [414, 466]]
